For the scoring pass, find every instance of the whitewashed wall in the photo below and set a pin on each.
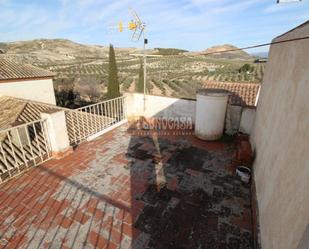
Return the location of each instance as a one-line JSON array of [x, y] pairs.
[[158, 106], [57, 131], [41, 90]]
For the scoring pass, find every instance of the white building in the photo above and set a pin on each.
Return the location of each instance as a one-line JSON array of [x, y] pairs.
[[26, 81]]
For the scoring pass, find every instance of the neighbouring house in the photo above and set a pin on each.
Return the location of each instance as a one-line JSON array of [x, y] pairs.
[[15, 111], [29, 129], [22, 135], [26, 81]]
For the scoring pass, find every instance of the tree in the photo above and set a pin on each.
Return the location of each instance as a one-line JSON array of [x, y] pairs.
[[246, 68], [66, 98], [113, 83], [140, 83]]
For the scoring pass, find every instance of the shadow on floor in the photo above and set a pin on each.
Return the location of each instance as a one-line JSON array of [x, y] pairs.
[[191, 199]]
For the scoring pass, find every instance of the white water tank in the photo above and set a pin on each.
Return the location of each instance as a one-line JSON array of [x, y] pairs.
[[210, 113]]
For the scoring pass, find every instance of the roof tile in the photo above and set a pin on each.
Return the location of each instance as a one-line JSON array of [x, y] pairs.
[[12, 70], [14, 111], [243, 94]]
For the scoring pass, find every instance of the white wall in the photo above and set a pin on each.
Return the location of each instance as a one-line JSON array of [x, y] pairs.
[[57, 131], [159, 106], [281, 141], [39, 90], [247, 120]]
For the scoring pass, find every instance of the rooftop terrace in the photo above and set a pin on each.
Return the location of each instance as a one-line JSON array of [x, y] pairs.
[[125, 190], [128, 186]]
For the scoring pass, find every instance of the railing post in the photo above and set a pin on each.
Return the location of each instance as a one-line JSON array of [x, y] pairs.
[[57, 133], [124, 99]]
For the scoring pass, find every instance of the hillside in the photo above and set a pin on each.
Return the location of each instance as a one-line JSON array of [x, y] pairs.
[[219, 52], [55, 51], [169, 51], [82, 70]]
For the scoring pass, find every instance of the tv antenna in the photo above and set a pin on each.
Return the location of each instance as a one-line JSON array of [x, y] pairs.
[[138, 27]]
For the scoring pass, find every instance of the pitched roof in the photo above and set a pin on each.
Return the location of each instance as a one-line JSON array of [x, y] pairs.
[[9, 112], [10, 70], [14, 111], [242, 94]]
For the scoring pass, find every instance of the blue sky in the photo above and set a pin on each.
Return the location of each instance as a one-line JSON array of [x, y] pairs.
[[188, 24]]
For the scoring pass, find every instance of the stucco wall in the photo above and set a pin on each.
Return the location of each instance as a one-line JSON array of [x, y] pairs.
[[280, 139], [57, 131], [247, 120], [39, 90], [158, 106]]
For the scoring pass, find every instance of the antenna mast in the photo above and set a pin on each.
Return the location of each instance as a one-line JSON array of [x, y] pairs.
[[139, 29]]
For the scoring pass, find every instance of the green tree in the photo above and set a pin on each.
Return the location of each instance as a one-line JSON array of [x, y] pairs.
[[140, 83], [113, 83], [246, 68]]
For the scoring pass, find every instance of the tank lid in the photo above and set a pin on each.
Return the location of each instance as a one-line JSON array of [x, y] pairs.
[[216, 92]]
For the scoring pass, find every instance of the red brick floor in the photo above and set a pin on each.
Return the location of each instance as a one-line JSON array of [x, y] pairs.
[[116, 192]]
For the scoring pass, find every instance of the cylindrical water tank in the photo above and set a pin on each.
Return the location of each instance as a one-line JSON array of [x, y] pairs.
[[210, 113]]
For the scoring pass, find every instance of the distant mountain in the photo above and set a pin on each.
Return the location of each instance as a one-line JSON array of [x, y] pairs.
[[260, 54], [57, 51], [63, 51], [83, 69], [219, 52]]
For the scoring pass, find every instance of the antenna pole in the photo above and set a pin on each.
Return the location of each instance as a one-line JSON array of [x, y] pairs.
[[145, 70]]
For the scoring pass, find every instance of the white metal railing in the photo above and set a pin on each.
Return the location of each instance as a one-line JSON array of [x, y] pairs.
[[86, 121], [22, 147]]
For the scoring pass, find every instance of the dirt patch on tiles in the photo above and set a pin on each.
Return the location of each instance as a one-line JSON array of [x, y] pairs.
[[206, 209]]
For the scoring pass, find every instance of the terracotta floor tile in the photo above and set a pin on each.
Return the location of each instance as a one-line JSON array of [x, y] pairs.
[[100, 196]]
